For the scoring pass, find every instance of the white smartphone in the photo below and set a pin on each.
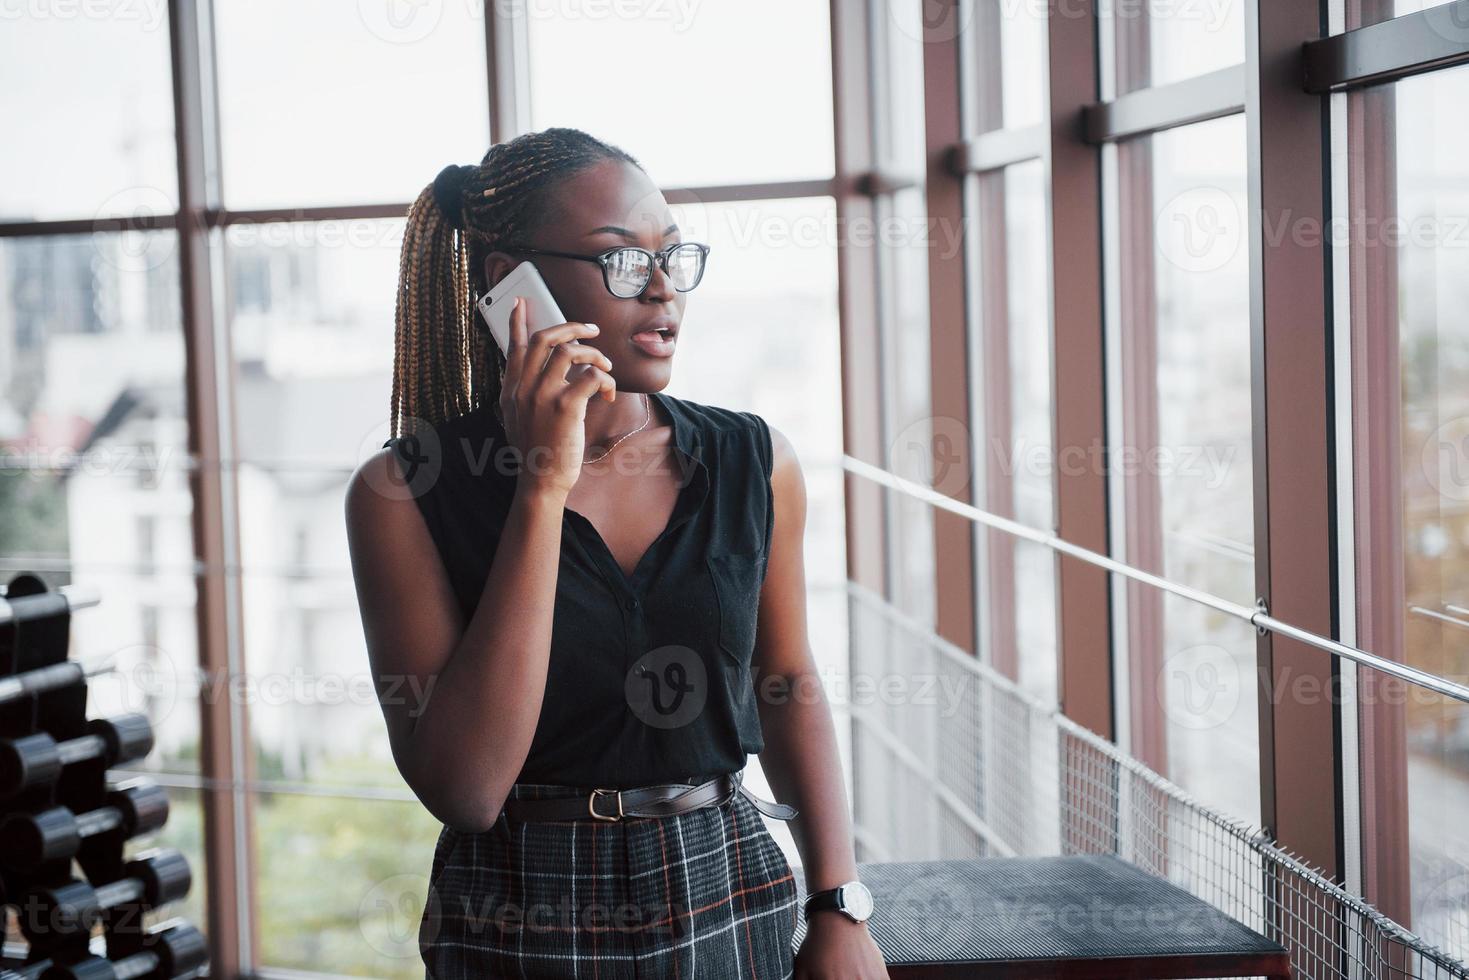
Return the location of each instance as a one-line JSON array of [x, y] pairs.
[[541, 309], [496, 305]]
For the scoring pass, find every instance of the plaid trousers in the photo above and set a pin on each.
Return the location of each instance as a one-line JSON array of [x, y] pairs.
[[703, 894]]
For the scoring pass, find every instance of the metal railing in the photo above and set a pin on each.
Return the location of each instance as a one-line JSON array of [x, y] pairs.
[[1258, 618]]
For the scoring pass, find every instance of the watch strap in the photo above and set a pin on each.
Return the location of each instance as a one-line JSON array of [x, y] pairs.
[[819, 901]]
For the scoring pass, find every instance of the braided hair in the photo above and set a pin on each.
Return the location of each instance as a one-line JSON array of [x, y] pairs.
[[444, 364]]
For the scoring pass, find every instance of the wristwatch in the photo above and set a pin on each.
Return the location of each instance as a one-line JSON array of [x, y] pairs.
[[852, 899]]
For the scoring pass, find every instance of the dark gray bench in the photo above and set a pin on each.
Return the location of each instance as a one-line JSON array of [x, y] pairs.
[[1084, 917]]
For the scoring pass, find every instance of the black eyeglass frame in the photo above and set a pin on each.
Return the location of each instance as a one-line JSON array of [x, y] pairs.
[[604, 259]]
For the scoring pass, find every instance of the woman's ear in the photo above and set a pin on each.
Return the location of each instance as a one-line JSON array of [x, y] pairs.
[[497, 264]]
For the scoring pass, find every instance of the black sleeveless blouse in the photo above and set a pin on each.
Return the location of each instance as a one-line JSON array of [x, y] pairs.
[[650, 676]]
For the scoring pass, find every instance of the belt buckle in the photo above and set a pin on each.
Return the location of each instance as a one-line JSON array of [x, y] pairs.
[[592, 805]]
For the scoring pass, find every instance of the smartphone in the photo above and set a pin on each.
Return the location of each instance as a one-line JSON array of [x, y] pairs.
[[541, 310]]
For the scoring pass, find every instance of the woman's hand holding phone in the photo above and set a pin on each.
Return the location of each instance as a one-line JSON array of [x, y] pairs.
[[544, 413]]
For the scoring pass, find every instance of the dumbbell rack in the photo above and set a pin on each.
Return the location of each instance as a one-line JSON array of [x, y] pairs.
[[79, 901]]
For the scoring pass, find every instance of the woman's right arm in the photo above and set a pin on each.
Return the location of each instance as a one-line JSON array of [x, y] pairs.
[[462, 700]]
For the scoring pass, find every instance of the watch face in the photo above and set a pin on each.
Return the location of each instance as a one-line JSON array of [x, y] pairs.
[[856, 901]]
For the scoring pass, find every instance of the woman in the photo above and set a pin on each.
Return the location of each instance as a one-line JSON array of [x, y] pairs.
[[566, 648]]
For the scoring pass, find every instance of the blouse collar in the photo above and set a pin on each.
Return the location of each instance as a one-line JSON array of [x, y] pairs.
[[685, 432]]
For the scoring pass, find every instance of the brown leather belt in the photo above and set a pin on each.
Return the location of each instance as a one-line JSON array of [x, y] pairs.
[[663, 800]]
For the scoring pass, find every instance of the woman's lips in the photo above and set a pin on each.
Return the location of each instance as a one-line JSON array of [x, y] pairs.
[[654, 343]]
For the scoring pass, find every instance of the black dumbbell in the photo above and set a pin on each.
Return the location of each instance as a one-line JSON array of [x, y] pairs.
[[168, 951], [29, 840], [25, 971], [37, 760], [51, 913], [51, 678]]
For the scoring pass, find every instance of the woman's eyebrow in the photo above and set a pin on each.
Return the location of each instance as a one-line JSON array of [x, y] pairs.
[[617, 230]]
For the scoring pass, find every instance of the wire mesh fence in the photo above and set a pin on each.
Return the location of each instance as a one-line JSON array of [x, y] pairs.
[[953, 760]]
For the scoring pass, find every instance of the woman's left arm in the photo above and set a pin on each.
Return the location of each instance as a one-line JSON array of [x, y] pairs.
[[800, 759]]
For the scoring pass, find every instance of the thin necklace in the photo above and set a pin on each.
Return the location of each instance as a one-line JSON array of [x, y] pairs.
[[647, 417]]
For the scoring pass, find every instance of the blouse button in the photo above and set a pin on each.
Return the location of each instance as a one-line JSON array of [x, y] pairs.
[[632, 602]]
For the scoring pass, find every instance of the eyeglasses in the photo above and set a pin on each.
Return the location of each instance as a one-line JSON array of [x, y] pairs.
[[627, 269]]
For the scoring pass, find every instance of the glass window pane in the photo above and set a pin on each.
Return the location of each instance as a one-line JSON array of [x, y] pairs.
[[902, 263], [899, 234], [342, 883], [1417, 267], [314, 714], [1185, 459], [1165, 41], [907, 398], [95, 486], [149, 623], [1006, 82], [1029, 449], [1029, 328], [312, 326], [1023, 62], [1206, 689], [1438, 795], [693, 102], [1203, 357], [351, 104], [1013, 419], [83, 143], [311, 319], [898, 112], [900, 226]]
